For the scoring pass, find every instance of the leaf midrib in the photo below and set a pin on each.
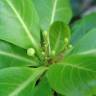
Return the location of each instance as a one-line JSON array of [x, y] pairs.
[[53, 11], [15, 56], [79, 67], [22, 23], [23, 85], [51, 21], [58, 40], [92, 51]]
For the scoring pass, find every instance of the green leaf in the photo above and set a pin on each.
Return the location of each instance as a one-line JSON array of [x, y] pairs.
[[87, 44], [11, 55], [53, 10], [58, 34], [17, 81], [19, 23], [83, 26], [43, 88], [75, 76]]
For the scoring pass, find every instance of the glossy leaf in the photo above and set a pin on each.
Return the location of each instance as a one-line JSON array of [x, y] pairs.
[[11, 55], [87, 44], [19, 81], [19, 23], [58, 34], [53, 10], [75, 76], [83, 26], [43, 88]]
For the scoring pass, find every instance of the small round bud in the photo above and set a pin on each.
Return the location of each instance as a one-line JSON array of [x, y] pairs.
[[70, 46], [43, 53], [66, 40], [45, 33], [30, 52], [46, 45], [53, 52], [46, 58]]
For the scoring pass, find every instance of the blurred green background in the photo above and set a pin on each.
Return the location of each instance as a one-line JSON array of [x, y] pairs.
[[82, 6]]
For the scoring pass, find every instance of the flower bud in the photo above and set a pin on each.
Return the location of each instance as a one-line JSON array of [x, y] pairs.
[[45, 34], [43, 53], [30, 52], [66, 40], [70, 46], [53, 52]]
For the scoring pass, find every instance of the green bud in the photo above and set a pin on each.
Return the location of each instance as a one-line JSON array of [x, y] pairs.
[[53, 52], [45, 34], [70, 46], [46, 58], [43, 53], [66, 40], [30, 52]]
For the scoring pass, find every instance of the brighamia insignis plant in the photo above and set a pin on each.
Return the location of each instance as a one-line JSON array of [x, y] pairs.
[[40, 55]]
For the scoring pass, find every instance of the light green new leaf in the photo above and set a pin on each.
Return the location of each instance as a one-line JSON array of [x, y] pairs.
[[87, 44], [58, 33], [19, 23], [17, 81], [11, 55], [43, 88], [83, 26], [75, 76], [53, 10]]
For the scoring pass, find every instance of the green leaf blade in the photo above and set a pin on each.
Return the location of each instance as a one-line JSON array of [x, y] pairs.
[[11, 55], [87, 45], [43, 88], [53, 10], [82, 27], [74, 76], [14, 80], [18, 25], [58, 32]]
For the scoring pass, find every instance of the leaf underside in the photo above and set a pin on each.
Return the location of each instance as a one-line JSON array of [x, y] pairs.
[[83, 26]]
